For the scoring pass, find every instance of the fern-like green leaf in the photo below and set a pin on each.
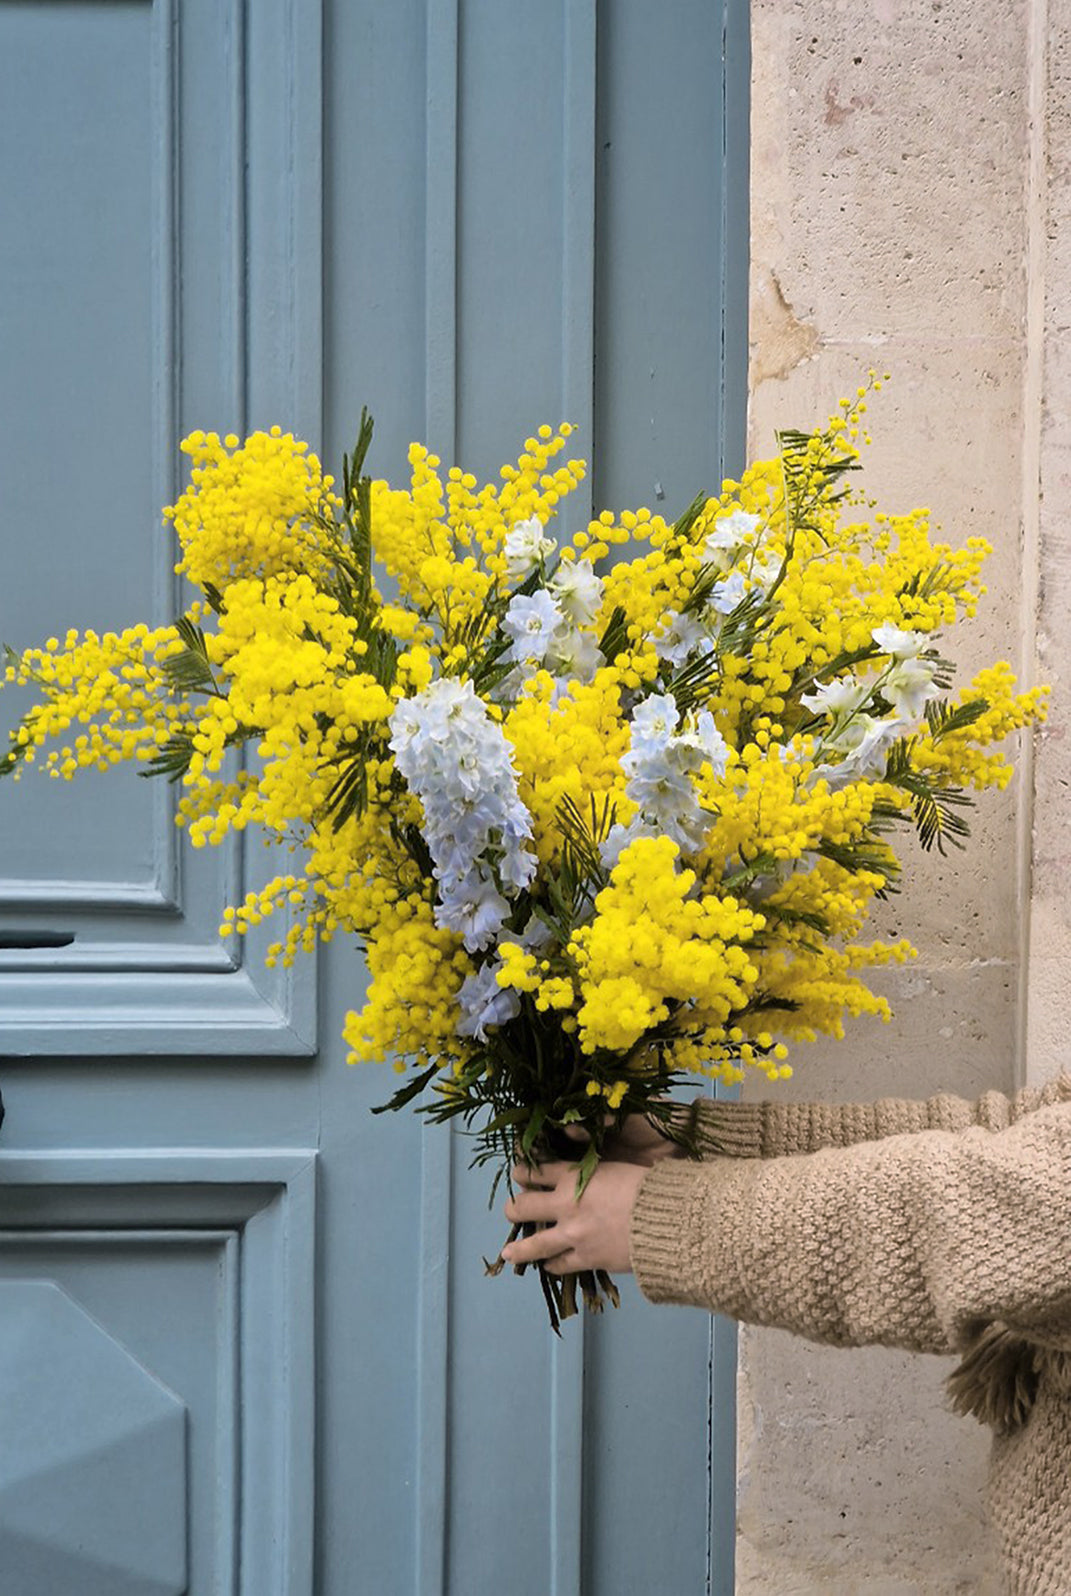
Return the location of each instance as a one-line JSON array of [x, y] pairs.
[[693, 683], [682, 528], [750, 871], [944, 719], [863, 855], [191, 671], [348, 796], [172, 759], [584, 873], [614, 639], [935, 808]]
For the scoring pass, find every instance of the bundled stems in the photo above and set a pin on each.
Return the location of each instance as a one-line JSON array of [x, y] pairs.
[[560, 1291]]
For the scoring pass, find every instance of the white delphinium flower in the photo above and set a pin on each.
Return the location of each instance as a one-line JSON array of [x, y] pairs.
[[473, 907], [741, 523], [578, 591], [864, 744], [666, 798], [477, 816], [764, 572], [653, 723], [509, 687], [525, 546], [910, 685], [660, 765], [619, 837], [531, 621], [457, 761], [516, 866], [705, 742], [901, 645], [536, 937], [727, 535], [430, 717], [684, 636], [842, 696], [574, 656], [484, 1004], [725, 596]]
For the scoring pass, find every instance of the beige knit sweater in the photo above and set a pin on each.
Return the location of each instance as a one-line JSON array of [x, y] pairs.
[[942, 1226]]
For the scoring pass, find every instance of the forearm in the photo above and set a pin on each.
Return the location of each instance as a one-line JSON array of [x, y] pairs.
[[915, 1241]]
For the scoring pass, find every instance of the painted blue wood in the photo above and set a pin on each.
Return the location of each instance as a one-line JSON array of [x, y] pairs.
[[92, 1459], [579, 163], [473, 217], [660, 284], [735, 231], [736, 133], [432, 1462], [187, 214], [202, 1265]]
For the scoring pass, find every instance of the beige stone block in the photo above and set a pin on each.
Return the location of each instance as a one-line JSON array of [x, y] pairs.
[[888, 164], [895, 218], [1050, 912], [953, 1028], [966, 906], [1046, 1017], [947, 434], [1049, 931], [1057, 173], [1055, 524], [854, 1477]]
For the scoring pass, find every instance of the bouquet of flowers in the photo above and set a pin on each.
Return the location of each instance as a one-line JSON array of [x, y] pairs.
[[596, 825]]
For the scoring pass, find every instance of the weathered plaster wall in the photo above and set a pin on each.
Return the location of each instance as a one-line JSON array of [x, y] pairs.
[[899, 194], [1049, 966]]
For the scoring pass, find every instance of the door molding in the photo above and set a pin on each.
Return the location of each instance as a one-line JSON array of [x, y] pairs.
[[256, 1212], [232, 334]]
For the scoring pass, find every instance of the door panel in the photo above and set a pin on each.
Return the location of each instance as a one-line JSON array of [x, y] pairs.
[[93, 1483], [124, 311], [156, 1319], [473, 217]]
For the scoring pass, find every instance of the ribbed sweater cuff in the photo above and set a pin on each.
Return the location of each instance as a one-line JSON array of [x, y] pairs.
[[730, 1130], [662, 1246]]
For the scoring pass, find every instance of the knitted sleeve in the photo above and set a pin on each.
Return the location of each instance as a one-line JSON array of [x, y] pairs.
[[917, 1241], [773, 1129]]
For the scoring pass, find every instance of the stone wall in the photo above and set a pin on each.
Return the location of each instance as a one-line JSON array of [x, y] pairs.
[[910, 160]]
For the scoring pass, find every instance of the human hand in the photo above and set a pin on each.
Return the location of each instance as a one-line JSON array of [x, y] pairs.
[[590, 1232], [638, 1140]]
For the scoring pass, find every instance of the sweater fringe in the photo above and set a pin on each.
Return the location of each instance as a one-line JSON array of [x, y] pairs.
[[996, 1380]]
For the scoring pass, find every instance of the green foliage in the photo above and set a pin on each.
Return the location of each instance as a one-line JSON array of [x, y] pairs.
[[935, 808], [614, 639], [357, 509], [693, 682], [868, 854], [11, 761], [582, 873], [944, 718], [191, 670], [683, 527]]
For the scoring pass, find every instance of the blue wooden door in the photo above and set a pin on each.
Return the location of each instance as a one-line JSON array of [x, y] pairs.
[[246, 1343]]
